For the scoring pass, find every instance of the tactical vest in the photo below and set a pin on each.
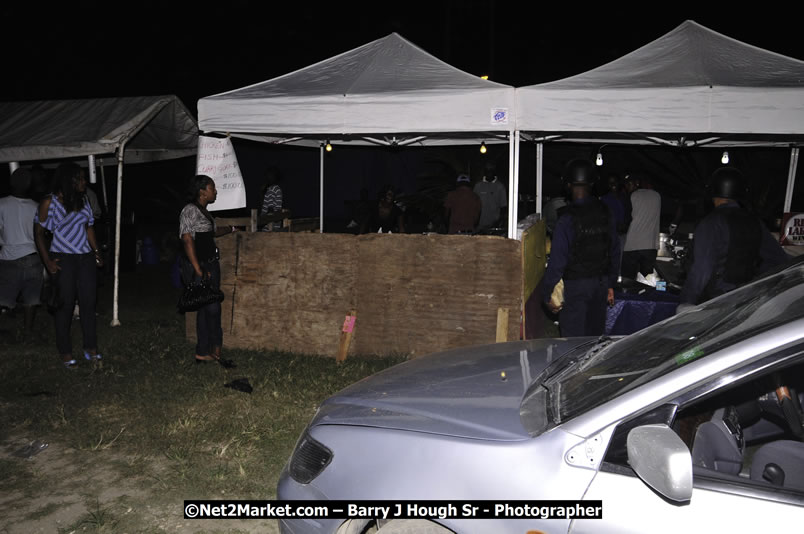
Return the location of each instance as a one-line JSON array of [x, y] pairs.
[[590, 252], [742, 258]]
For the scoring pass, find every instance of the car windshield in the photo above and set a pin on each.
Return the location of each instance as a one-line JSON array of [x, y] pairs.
[[565, 389]]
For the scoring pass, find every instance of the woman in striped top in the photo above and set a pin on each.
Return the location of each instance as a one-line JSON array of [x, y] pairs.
[[72, 258]]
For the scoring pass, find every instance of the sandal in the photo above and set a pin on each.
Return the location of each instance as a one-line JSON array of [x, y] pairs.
[[203, 359], [226, 364], [70, 364], [89, 356]]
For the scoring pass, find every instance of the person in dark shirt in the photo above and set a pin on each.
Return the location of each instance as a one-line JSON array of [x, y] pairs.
[[730, 246], [462, 207], [387, 217], [615, 199], [584, 254]]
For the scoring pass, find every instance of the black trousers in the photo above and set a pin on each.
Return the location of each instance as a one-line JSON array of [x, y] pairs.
[[634, 261], [78, 277], [208, 331], [584, 311]]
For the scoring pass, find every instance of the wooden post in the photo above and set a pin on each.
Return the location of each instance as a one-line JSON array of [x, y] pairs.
[[346, 336], [502, 324]]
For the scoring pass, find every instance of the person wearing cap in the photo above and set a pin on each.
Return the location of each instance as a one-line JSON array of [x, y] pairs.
[[493, 199], [642, 238], [585, 255], [730, 246], [462, 207], [21, 274]]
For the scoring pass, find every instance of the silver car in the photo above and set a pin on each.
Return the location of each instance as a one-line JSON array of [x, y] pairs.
[[694, 421]]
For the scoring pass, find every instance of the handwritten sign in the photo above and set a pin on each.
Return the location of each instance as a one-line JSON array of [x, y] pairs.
[[216, 158], [792, 230]]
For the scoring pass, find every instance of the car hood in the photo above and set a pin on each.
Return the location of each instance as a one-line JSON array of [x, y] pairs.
[[469, 392]]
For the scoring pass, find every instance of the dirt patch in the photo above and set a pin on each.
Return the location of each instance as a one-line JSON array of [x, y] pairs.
[[63, 490]]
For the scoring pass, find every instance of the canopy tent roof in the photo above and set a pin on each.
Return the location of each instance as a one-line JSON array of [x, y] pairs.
[[152, 127], [388, 91], [693, 86]]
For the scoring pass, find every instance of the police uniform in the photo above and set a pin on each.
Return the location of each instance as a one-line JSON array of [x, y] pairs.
[[731, 246], [585, 254]]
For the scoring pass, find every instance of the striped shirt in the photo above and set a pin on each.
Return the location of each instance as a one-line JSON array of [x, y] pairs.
[[271, 202], [69, 229]]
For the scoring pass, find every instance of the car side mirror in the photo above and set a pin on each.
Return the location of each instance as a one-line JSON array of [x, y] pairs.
[[661, 460]]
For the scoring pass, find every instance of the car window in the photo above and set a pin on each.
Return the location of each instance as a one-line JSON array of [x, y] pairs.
[[655, 351], [737, 435]]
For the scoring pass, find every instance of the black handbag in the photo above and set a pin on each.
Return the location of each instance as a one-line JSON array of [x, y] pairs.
[[197, 295]]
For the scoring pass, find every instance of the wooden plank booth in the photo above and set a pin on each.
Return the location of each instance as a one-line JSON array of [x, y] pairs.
[[410, 294]]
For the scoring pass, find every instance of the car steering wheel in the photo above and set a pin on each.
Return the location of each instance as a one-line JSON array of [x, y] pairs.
[[791, 411]]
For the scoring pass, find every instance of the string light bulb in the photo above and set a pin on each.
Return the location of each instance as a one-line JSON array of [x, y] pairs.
[[328, 147], [599, 159], [724, 159], [483, 147]]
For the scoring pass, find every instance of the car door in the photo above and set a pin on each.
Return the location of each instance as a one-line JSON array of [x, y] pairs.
[[723, 500], [631, 506]]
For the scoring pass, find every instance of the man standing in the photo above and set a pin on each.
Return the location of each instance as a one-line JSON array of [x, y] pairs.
[[585, 254], [462, 207], [492, 198], [642, 238], [730, 246], [21, 271]]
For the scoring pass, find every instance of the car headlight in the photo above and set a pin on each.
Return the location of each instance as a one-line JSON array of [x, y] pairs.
[[309, 459]]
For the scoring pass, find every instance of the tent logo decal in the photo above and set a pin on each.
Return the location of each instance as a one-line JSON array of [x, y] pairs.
[[499, 116]]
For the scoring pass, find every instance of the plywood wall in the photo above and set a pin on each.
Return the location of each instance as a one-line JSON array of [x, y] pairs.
[[413, 294]]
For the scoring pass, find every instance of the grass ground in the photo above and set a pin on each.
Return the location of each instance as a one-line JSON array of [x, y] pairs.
[[128, 442]]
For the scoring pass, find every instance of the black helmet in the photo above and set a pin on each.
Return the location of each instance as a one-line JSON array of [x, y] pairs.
[[728, 182], [580, 172]]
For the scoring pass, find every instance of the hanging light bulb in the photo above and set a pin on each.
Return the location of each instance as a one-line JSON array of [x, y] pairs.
[[483, 147], [724, 159], [328, 147], [599, 159]]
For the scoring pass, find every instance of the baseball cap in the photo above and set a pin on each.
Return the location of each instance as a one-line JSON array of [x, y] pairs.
[[463, 178]]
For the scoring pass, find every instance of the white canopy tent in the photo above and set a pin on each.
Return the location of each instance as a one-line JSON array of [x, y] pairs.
[[130, 129], [388, 92], [691, 87]]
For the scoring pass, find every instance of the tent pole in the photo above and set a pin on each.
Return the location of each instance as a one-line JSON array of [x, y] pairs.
[[511, 197], [516, 180], [791, 180], [103, 188], [321, 195], [539, 177], [120, 153], [93, 175]]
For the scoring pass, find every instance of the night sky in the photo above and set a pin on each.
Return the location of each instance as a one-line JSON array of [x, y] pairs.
[[87, 49], [90, 49]]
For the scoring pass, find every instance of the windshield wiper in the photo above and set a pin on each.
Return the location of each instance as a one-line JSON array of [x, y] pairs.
[[553, 382], [601, 343]]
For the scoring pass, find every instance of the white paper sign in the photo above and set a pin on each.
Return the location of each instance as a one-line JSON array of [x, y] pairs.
[[216, 159]]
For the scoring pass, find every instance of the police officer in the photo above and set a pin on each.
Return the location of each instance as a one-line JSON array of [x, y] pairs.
[[730, 246], [585, 253]]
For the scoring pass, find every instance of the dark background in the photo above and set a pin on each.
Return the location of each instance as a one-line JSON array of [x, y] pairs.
[[91, 49]]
